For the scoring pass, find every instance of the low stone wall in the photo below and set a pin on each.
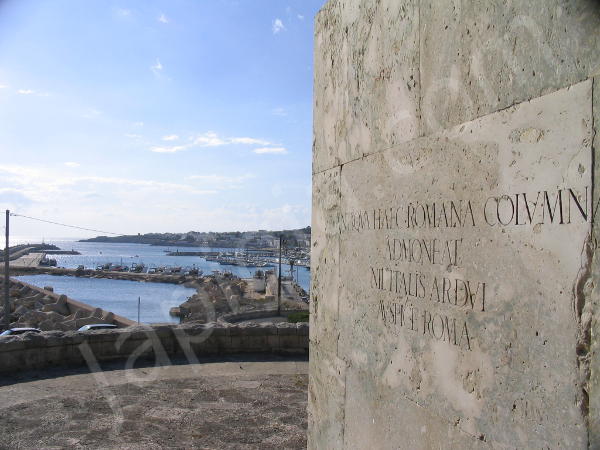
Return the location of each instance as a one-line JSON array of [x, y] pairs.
[[260, 314], [54, 348]]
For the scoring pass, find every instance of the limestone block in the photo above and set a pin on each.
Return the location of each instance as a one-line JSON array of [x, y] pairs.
[[224, 342], [268, 329], [325, 260], [273, 342], [255, 343], [286, 329], [477, 59], [366, 91], [236, 343], [326, 398], [368, 422], [289, 342], [10, 344], [590, 355], [460, 257]]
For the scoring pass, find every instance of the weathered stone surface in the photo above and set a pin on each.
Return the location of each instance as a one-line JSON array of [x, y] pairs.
[[478, 58], [591, 353], [325, 259], [326, 395], [494, 352], [380, 421], [364, 47], [461, 309]]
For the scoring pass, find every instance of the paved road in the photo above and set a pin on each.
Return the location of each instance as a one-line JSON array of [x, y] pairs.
[[233, 404]]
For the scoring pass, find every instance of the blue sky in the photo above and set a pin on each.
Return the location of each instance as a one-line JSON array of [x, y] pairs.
[[141, 116]]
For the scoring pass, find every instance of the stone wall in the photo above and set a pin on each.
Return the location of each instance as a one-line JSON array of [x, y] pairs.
[[55, 348], [252, 315], [454, 265]]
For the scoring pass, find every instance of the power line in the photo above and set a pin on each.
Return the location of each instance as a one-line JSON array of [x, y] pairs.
[[65, 225]]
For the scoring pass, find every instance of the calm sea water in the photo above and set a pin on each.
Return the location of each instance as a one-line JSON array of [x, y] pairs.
[[119, 296]]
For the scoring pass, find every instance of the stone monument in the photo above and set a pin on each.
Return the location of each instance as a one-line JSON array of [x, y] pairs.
[[455, 261]]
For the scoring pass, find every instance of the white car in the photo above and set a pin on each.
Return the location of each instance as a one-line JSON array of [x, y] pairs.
[[97, 326], [16, 331]]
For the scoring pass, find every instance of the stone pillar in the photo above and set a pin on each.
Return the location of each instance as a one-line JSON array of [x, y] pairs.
[[454, 299]]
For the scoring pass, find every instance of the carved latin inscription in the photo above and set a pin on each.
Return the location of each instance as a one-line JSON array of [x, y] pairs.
[[417, 290]]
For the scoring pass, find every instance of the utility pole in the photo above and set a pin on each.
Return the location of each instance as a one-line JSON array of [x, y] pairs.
[[279, 279], [6, 278]]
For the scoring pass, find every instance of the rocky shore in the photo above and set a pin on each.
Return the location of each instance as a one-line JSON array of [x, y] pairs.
[[42, 308]]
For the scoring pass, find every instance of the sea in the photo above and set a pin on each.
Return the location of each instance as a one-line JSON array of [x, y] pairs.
[[122, 297]]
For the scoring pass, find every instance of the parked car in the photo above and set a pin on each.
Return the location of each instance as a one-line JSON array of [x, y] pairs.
[[16, 331], [97, 326]]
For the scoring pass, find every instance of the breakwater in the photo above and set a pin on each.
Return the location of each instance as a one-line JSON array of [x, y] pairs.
[[44, 309], [89, 273]]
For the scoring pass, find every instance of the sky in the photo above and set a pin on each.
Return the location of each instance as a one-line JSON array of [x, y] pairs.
[[157, 115]]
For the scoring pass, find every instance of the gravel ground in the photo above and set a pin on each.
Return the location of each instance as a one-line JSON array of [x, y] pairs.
[[241, 405]]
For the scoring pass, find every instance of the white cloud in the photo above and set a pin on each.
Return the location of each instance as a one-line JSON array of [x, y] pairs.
[[248, 141], [138, 124], [278, 26], [72, 164], [42, 184], [173, 149], [163, 19], [279, 112], [133, 136], [113, 203], [25, 91], [209, 139], [3, 86], [300, 17], [271, 150], [157, 68]]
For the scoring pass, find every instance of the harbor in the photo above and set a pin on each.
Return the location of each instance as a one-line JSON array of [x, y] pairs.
[[106, 259], [171, 286]]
